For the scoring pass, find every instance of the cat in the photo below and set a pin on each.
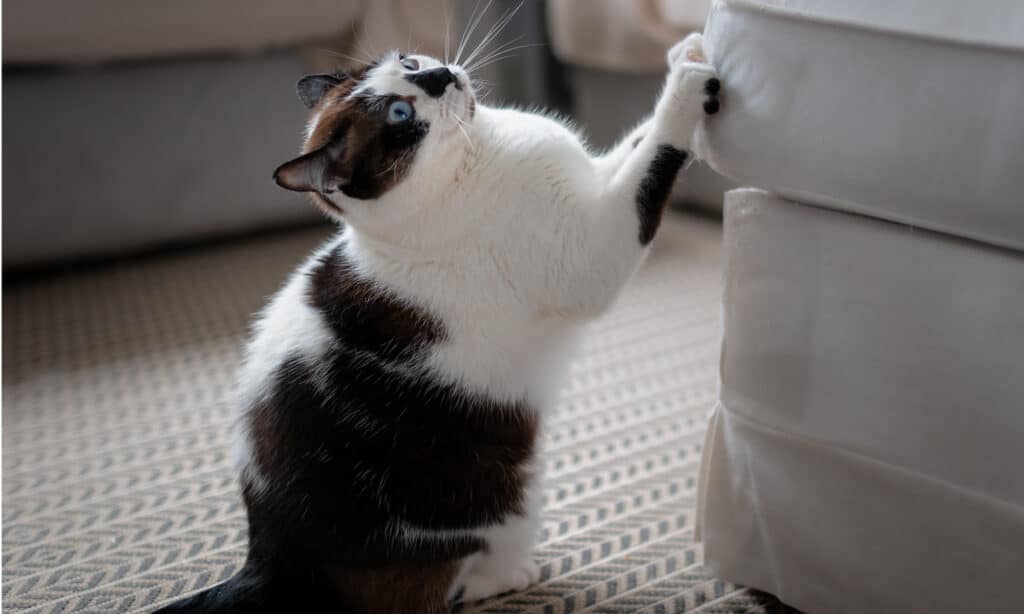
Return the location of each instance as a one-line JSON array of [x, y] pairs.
[[393, 393]]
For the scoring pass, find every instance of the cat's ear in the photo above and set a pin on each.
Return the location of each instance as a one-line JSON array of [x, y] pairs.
[[316, 171], [312, 88]]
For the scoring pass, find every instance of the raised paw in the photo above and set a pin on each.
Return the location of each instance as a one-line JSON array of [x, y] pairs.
[[690, 49], [692, 80], [481, 584]]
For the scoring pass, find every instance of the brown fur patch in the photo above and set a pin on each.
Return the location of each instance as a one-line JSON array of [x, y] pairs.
[[332, 109]]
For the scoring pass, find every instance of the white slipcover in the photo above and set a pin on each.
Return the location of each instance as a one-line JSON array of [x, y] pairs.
[[866, 452]]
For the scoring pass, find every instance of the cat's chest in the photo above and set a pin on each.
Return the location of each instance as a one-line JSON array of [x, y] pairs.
[[509, 358], [491, 336]]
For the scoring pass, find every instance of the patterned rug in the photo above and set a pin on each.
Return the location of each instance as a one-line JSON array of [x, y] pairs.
[[117, 493]]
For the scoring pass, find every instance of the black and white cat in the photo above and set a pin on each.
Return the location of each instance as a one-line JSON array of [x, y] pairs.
[[393, 395]]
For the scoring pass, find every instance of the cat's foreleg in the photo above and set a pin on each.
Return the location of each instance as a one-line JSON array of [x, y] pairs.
[[631, 185], [612, 160], [646, 174]]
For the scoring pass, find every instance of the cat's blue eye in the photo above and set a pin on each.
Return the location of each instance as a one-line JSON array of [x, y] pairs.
[[399, 111], [410, 64]]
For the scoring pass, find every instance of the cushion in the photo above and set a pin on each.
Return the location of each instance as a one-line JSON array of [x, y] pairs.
[[905, 111]]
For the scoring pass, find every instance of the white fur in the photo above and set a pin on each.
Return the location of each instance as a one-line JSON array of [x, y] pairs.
[[514, 234], [288, 326]]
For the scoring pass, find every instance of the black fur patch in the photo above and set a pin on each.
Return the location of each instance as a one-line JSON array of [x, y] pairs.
[[655, 187], [378, 153], [351, 446], [366, 317], [350, 457], [712, 87]]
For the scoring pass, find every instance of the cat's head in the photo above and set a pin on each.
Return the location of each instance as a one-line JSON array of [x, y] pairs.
[[370, 127]]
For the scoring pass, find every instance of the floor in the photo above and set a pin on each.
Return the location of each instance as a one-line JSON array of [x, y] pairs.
[[117, 491]]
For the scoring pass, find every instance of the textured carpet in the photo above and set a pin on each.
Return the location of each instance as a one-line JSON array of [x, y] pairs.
[[117, 493]]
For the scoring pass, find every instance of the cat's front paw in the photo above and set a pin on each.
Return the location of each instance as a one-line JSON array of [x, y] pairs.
[[481, 584], [688, 50], [693, 80]]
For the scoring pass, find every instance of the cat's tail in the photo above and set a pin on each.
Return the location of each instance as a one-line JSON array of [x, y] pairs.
[[264, 589], [247, 592], [257, 589]]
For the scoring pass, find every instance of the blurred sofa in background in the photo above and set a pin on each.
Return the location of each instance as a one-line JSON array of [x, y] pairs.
[[131, 125]]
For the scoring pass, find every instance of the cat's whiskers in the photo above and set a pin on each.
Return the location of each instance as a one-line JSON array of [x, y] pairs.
[[393, 167], [375, 52], [369, 58], [496, 29], [447, 31], [506, 46], [461, 125], [474, 21], [481, 94], [501, 53], [356, 61]]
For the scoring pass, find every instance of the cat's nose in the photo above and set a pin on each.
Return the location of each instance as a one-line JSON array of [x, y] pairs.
[[433, 81]]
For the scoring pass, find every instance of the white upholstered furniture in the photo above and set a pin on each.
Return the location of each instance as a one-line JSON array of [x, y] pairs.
[[867, 450]]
